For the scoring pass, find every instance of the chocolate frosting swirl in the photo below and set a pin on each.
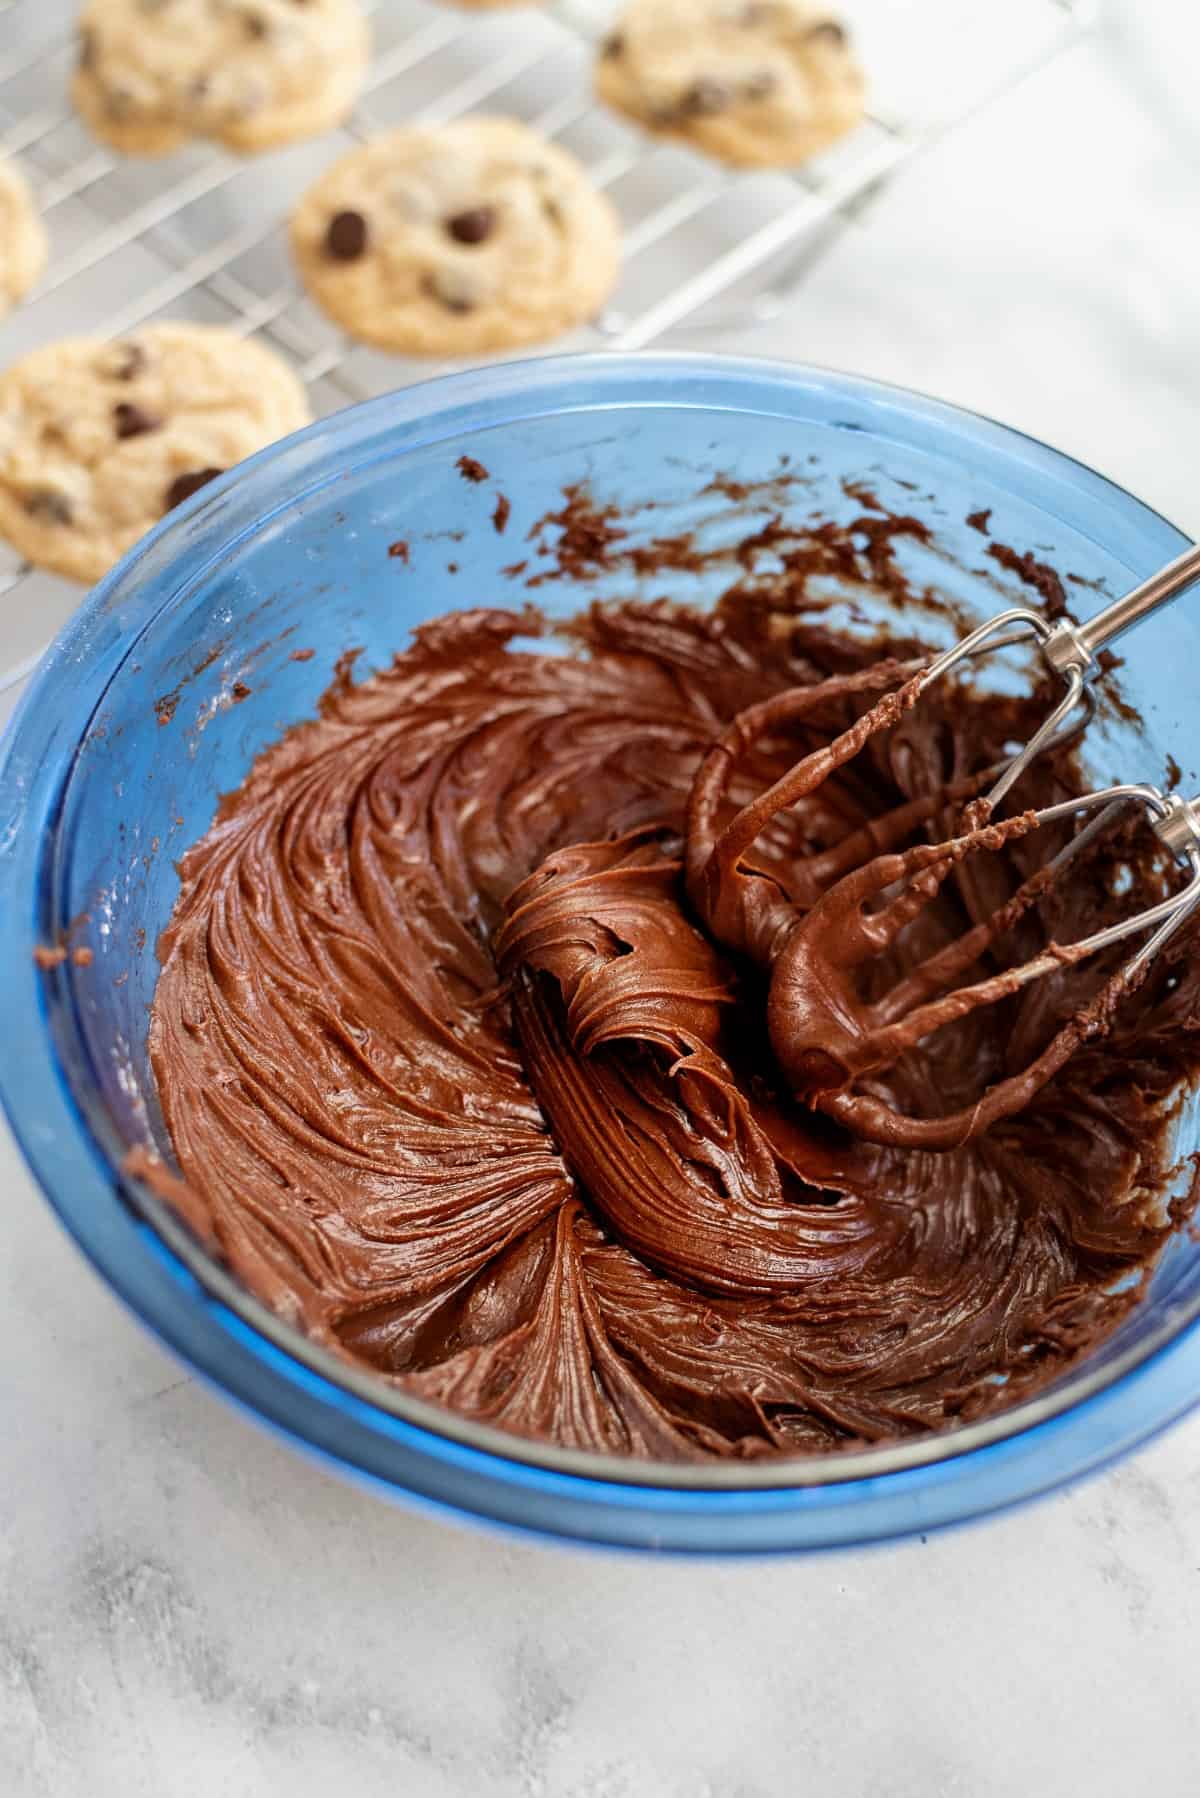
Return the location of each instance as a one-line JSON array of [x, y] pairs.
[[463, 1081]]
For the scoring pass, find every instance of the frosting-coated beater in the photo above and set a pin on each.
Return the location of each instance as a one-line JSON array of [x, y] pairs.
[[820, 938]]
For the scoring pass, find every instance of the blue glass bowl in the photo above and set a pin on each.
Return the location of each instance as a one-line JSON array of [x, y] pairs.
[[129, 733]]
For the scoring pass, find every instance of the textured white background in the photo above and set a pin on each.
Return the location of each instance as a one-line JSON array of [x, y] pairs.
[[188, 1610]]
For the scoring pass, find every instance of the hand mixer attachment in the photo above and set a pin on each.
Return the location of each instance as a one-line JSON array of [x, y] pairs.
[[819, 937]]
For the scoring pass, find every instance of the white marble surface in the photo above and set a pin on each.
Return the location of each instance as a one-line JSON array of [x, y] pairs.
[[189, 1610]]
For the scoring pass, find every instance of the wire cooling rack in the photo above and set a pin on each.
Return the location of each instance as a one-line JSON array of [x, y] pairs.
[[200, 235]]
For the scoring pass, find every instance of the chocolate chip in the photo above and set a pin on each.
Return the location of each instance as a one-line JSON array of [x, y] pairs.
[[184, 485], [346, 238], [473, 226], [759, 85], [613, 46], [49, 506], [553, 211], [452, 289], [133, 421], [256, 26], [87, 48], [125, 360], [706, 97], [829, 32]]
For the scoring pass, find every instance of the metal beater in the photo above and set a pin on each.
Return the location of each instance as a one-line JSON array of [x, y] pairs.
[[825, 1035]]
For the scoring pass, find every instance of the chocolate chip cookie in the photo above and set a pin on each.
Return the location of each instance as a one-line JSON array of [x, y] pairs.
[[22, 239], [454, 239], [98, 440], [757, 83], [249, 73]]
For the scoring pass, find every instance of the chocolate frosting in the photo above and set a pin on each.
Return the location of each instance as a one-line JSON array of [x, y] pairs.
[[464, 1045]]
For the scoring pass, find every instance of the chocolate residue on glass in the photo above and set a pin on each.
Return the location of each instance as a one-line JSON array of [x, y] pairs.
[[167, 704], [578, 537], [1044, 580], [52, 955], [458, 1080]]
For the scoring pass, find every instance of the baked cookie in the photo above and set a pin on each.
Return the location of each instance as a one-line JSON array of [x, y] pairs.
[[452, 239], [98, 440], [757, 83], [22, 239], [249, 73]]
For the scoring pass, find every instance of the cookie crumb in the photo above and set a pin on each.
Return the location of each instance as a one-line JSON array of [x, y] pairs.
[[240, 691], [471, 470], [978, 521], [502, 513], [83, 957], [47, 957], [399, 549], [299, 655]]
